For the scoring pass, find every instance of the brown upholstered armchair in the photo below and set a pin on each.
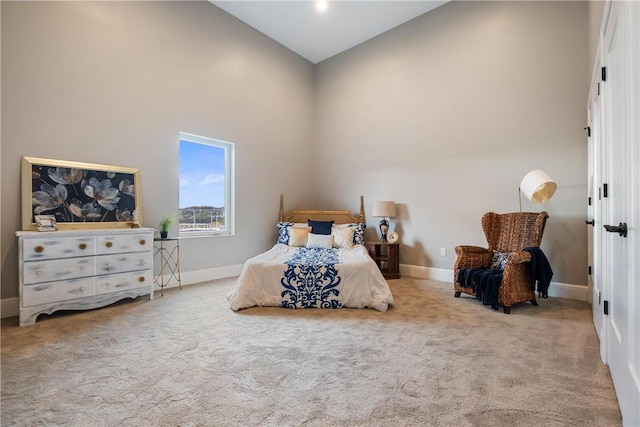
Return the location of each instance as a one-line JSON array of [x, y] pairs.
[[510, 232]]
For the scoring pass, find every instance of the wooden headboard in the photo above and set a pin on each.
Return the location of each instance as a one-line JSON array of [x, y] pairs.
[[337, 216]]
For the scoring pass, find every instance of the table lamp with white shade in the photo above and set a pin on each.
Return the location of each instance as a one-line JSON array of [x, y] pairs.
[[386, 209]]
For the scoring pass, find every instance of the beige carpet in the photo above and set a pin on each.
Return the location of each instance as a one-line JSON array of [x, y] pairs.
[[187, 359]]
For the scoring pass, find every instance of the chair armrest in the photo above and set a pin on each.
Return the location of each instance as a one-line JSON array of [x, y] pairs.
[[473, 256], [518, 257], [461, 250]]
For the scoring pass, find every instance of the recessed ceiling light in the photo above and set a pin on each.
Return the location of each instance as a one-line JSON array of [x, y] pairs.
[[322, 5]]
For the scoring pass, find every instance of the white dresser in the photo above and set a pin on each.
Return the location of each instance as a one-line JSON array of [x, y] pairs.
[[78, 270]]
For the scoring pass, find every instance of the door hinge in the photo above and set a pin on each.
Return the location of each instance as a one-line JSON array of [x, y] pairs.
[[599, 298], [605, 190], [589, 270], [604, 74], [606, 307], [588, 129], [589, 200], [598, 88]]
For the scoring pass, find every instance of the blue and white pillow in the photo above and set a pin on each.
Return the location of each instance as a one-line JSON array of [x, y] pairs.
[[499, 260], [283, 232], [358, 233]]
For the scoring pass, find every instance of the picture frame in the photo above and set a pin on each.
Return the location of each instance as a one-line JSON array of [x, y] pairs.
[[46, 222], [79, 195]]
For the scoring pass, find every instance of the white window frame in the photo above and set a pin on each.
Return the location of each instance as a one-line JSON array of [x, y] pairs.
[[229, 183]]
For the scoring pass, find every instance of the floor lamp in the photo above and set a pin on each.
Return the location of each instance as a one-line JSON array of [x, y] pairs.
[[537, 186]]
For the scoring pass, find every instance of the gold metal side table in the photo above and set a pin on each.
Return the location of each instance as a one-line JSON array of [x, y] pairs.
[[168, 252]]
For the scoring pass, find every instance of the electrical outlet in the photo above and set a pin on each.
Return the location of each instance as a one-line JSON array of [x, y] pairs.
[[443, 251]]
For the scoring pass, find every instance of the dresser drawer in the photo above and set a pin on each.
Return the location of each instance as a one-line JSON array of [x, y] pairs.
[[58, 269], [57, 247], [111, 244], [57, 291], [123, 281], [120, 263]]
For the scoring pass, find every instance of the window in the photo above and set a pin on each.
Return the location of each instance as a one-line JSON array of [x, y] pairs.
[[206, 186]]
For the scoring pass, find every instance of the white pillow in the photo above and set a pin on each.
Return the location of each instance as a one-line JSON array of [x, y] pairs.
[[298, 236], [342, 237], [358, 231], [320, 241]]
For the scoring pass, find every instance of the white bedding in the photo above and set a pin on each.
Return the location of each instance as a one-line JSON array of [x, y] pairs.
[[294, 277]]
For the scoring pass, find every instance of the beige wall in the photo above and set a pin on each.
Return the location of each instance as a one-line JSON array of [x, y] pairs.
[[444, 115], [448, 112], [115, 82]]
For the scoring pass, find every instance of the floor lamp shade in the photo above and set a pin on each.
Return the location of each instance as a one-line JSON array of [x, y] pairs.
[[537, 186]]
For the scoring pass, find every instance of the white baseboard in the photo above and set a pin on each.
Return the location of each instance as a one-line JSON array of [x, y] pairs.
[[439, 274], [10, 307], [556, 289], [569, 291]]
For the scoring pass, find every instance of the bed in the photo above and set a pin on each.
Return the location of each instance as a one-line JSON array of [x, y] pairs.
[[319, 261]]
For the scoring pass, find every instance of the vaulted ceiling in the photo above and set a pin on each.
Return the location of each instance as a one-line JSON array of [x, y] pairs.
[[317, 35]]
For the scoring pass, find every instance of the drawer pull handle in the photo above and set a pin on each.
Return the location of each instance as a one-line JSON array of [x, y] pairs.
[[38, 272], [142, 241], [141, 279], [39, 249], [82, 246], [82, 267], [81, 289], [109, 244]]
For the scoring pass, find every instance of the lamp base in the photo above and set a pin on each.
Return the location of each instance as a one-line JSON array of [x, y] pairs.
[[384, 228]]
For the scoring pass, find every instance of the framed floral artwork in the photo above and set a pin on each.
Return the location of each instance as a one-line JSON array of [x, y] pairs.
[[79, 195]]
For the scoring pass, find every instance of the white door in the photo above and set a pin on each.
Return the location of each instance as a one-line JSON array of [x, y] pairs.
[[620, 147], [594, 217]]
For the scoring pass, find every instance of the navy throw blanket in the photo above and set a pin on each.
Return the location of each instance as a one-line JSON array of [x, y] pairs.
[[484, 281], [540, 271]]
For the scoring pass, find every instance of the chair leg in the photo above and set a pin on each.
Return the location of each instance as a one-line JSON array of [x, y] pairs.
[[534, 302], [507, 309], [457, 294]]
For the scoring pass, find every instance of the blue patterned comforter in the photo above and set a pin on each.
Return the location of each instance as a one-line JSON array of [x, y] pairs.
[[311, 278]]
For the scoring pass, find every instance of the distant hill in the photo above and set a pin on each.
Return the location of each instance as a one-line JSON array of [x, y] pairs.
[[202, 215]]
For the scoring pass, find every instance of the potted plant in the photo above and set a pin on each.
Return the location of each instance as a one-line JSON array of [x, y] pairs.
[[165, 224]]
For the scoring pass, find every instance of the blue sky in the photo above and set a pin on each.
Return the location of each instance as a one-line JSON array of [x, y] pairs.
[[201, 175]]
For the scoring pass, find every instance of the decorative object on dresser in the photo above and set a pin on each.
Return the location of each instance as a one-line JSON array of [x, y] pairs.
[[82, 269], [46, 222], [387, 257], [385, 210], [537, 186], [79, 195]]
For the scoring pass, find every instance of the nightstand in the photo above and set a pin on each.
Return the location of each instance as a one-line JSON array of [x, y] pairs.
[[386, 256]]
